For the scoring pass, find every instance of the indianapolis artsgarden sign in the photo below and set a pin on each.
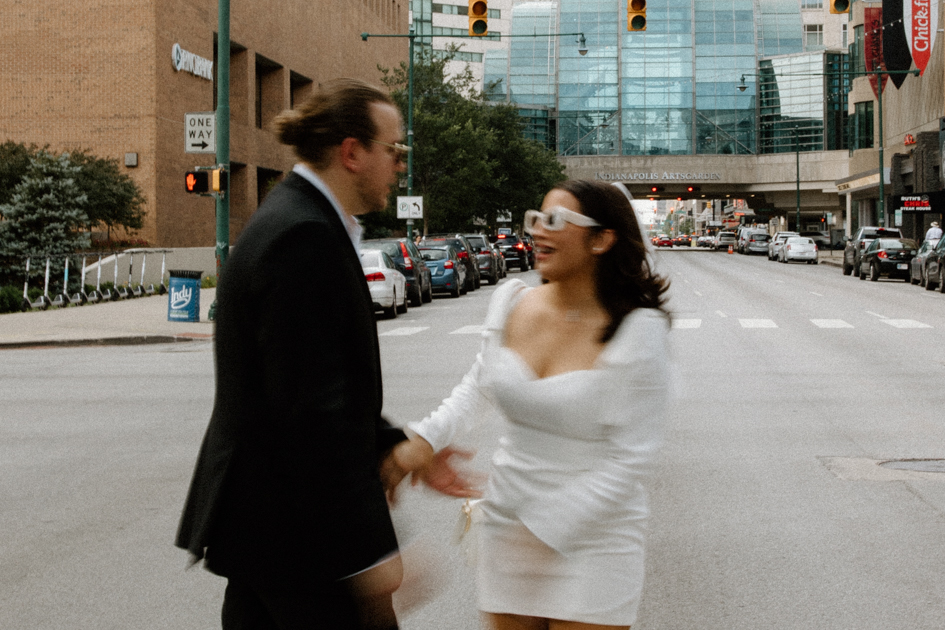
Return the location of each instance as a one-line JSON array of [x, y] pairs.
[[659, 177]]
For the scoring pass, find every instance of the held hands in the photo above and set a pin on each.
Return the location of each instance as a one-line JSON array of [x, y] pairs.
[[416, 457]]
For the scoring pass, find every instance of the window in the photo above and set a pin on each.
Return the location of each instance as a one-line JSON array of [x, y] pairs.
[[452, 9], [812, 4], [844, 42], [863, 125], [269, 91], [813, 36]]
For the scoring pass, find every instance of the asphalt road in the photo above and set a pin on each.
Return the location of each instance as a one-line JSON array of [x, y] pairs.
[[770, 509]]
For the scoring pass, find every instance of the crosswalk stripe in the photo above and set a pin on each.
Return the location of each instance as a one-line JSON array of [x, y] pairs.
[[687, 323], [757, 323], [468, 330], [830, 323], [404, 331], [904, 323]]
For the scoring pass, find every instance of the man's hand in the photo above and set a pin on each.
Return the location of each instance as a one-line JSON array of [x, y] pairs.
[[440, 475]]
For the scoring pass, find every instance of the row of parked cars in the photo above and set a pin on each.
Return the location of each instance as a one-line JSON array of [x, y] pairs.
[[876, 252], [401, 273]]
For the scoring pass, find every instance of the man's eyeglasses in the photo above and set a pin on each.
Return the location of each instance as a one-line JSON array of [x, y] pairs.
[[555, 218], [397, 150]]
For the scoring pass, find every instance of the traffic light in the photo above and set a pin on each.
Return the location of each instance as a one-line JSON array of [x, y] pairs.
[[839, 6], [197, 181], [636, 15], [219, 180], [478, 18]]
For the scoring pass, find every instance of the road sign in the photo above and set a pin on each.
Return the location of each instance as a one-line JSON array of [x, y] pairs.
[[409, 207], [504, 217], [200, 132]]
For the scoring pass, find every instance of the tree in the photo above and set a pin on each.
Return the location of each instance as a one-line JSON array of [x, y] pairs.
[[470, 159], [14, 162], [114, 199], [45, 217]]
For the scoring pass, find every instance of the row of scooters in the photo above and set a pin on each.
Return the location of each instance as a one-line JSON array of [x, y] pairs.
[[112, 294]]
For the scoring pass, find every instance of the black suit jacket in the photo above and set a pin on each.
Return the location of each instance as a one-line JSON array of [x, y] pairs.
[[286, 485]]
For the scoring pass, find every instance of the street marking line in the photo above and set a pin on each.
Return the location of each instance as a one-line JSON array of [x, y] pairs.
[[403, 332], [817, 294], [468, 330], [697, 293], [687, 323], [721, 314], [905, 323], [876, 315], [830, 323], [757, 323]]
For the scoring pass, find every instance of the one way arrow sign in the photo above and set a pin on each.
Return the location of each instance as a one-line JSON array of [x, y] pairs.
[[200, 132]]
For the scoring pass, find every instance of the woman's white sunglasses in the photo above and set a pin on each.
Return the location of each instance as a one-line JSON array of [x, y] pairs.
[[555, 217]]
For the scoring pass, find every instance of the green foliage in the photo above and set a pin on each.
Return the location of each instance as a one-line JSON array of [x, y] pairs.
[[470, 159], [45, 217], [114, 199], [14, 163], [208, 283], [11, 299]]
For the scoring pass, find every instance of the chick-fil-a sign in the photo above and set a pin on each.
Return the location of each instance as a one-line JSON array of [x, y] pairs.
[[920, 18]]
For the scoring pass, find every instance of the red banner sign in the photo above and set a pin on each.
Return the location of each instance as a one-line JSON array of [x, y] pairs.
[[873, 47], [920, 18]]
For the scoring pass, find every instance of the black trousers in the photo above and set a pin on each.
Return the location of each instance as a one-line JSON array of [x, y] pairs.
[[251, 606]]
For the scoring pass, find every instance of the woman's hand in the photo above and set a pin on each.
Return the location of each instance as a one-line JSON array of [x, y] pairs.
[[405, 458], [440, 475]]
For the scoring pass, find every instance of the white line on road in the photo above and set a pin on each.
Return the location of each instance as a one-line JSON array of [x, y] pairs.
[[876, 315], [817, 294], [403, 332], [721, 314], [687, 323], [468, 330], [830, 323], [905, 323], [697, 293], [757, 323]]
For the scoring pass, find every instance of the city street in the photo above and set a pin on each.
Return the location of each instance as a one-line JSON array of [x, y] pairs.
[[770, 508]]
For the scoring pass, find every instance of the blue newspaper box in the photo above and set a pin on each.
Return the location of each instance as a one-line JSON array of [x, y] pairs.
[[183, 296]]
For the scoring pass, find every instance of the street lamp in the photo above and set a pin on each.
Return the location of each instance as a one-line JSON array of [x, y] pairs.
[[797, 155], [412, 35]]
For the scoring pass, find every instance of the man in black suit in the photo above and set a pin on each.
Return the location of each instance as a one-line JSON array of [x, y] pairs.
[[288, 497]]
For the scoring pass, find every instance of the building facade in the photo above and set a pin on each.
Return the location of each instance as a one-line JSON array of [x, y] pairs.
[[118, 79]]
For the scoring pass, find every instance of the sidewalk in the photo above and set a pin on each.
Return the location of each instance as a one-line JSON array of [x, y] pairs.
[[136, 321]]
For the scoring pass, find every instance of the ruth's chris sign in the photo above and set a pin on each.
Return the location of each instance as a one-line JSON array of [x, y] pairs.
[[923, 202]]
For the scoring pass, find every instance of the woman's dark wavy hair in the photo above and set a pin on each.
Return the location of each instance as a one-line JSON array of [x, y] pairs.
[[625, 281]]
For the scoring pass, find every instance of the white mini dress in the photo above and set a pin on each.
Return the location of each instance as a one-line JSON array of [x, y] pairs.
[[563, 516]]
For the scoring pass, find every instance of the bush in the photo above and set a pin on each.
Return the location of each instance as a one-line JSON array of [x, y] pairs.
[[11, 299]]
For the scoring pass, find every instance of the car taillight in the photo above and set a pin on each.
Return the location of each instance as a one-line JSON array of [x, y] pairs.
[[408, 262], [377, 276], [519, 246], [448, 264], [882, 254], [461, 255]]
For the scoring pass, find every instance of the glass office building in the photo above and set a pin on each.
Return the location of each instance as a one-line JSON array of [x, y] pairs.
[[670, 90]]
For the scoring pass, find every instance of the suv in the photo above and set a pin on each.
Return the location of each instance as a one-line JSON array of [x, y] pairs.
[[723, 240], [485, 257], [857, 244], [409, 262], [464, 251], [756, 241], [513, 250]]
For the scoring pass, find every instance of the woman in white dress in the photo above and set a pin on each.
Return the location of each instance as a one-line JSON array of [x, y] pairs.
[[578, 370]]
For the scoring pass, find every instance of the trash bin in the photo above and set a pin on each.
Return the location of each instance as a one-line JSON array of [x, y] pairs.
[[183, 303]]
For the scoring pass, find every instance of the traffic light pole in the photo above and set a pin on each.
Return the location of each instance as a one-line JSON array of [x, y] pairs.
[[223, 138]]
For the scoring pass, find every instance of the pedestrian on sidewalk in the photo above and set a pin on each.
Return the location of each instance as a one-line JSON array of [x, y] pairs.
[[934, 232], [289, 500]]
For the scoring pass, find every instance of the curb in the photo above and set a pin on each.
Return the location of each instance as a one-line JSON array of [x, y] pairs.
[[135, 340]]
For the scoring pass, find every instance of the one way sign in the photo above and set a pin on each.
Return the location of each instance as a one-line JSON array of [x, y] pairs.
[[200, 133]]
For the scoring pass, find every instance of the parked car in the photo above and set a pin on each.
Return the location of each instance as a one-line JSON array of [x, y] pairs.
[[513, 249], [821, 239], [683, 240], [798, 248], [388, 286], [887, 257], [463, 250], [500, 260], [856, 244], [449, 274], [776, 242], [485, 257], [756, 242], [723, 240], [704, 241], [663, 240], [741, 237], [935, 267], [405, 255], [917, 264], [529, 249]]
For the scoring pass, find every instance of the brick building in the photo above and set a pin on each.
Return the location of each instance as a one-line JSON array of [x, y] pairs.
[[99, 75]]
